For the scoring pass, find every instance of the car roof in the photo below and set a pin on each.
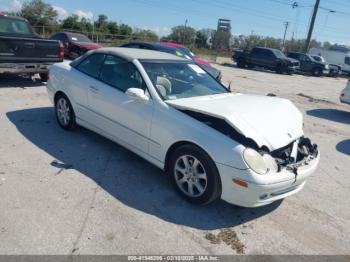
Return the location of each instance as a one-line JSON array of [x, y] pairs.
[[13, 17], [135, 53]]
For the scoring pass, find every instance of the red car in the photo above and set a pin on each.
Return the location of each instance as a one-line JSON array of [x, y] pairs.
[[187, 52], [75, 44]]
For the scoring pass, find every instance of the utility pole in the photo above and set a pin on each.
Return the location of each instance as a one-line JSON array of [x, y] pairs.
[[184, 33], [311, 28], [286, 24]]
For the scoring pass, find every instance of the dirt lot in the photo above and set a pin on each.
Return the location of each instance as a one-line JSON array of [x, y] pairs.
[[78, 193]]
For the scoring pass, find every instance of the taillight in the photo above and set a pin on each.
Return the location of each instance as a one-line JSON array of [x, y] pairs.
[[61, 51]]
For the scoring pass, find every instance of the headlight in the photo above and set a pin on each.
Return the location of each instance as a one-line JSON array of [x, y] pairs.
[[260, 164], [326, 66], [255, 161]]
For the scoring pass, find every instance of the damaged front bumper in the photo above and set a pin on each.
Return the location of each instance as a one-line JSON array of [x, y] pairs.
[[264, 189]]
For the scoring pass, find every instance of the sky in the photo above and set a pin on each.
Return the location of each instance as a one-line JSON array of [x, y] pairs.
[[260, 17]]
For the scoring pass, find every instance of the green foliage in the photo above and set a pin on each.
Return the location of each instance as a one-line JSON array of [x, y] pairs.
[[39, 13], [182, 34], [201, 39], [146, 35], [221, 40]]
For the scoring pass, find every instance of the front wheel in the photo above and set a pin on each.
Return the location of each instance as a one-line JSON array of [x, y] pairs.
[[241, 63], [195, 175], [317, 71], [64, 113]]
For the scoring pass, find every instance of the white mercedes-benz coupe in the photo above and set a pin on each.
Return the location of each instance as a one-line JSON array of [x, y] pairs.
[[249, 150]]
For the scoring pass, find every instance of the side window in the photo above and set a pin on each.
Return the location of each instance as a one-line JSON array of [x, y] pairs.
[[268, 54], [91, 65], [347, 60], [256, 52], [121, 74]]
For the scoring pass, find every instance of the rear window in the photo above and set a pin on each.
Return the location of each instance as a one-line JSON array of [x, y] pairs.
[[14, 27], [91, 65]]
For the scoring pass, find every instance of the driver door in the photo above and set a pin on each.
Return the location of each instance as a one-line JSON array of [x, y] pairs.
[[114, 112]]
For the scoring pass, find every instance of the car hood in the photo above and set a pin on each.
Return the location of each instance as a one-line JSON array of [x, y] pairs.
[[269, 121], [291, 60]]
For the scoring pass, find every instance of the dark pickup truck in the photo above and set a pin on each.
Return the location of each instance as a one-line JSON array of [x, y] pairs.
[[269, 58], [23, 52], [309, 65]]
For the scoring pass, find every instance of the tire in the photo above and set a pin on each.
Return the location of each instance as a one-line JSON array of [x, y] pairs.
[[241, 63], [317, 71], [74, 55], [192, 168], [64, 113], [250, 66], [280, 69], [44, 77]]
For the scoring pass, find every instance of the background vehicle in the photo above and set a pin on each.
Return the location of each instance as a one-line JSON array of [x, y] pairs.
[[310, 65], [75, 44], [268, 58], [187, 52], [175, 51], [334, 70], [21, 51], [339, 58], [345, 94]]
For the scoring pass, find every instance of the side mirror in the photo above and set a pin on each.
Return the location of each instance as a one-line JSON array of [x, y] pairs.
[[136, 94]]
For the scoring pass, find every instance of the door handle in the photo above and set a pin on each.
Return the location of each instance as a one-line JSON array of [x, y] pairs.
[[94, 89]]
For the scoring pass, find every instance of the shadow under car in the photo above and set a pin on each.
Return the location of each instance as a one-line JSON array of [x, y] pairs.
[[124, 175]]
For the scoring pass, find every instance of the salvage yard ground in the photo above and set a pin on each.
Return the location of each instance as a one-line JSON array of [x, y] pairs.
[[78, 193]]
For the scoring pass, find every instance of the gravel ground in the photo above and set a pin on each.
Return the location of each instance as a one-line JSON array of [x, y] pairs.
[[78, 193]]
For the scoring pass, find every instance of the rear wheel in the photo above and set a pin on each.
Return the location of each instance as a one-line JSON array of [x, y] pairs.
[[241, 63], [64, 113], [195, 175], [44, 77]]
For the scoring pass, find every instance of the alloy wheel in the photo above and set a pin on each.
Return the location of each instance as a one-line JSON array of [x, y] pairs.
[[190, 176]]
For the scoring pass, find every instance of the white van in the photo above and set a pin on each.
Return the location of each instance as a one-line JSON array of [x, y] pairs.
[[334, 57]]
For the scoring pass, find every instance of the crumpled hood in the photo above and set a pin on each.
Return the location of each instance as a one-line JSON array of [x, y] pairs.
[[270, 121]]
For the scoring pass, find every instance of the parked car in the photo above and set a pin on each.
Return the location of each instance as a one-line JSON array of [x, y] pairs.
[[345, 94], [22, 51], [213, 143], [334, 70], [309, 65], [188, 52], [176, 51], [339, 58], [269, 58], [75, 44]]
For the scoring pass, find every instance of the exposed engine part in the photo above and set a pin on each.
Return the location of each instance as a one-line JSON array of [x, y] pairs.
[[223, 127]]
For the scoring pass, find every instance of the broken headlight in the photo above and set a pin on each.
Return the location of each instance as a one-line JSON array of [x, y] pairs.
[[261, 164]]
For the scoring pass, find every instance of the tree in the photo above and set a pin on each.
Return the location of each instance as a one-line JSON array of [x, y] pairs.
[[113, 28], [125, 29], [221, 40], [182, 34], [147, 35], [71, 22], [201, 39], [39, 13]]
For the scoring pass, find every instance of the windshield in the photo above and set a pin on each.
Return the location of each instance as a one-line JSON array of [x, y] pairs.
[[79, 38], [279, 54], [187, 51], [175, 80], [14, 27]]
